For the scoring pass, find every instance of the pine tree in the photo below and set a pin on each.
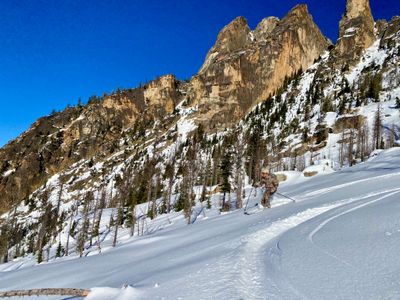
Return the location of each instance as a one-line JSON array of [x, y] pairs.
[[180, 202], [226, 170], [375, 87], [254, 150], [238, 162], [133, 203], [169, 174], [59, 250], [40, 255], [397, 102]]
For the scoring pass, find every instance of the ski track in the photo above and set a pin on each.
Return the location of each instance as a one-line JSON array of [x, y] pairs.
[[324, 223], [281, 285], [310, 194], [250, 284]]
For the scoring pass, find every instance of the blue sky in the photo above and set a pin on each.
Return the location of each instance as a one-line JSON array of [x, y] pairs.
[[53, 52]]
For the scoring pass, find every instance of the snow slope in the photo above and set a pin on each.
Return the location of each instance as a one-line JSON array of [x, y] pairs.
[[340, 240]]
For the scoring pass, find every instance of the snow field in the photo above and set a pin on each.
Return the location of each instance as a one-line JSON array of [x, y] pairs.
[[292, 251]]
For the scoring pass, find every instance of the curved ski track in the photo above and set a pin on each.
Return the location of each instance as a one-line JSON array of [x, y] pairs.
[[253, 265]]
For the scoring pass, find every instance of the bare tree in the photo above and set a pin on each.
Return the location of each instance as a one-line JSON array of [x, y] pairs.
[[156, 186], [169, 174], [350, 147], [363, 141], [74, 209], [301, 163], [83, 233], [377, 137], [392, 136], [99, 216], [119, 216], [43, 228], [238, 165], [341, 149]]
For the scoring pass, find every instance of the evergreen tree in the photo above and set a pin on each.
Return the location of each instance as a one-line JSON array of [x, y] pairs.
[[40, 255], [59, 250], [209, 206], [375, 87], [169, 174], [179, 203], [226, 170], [326, 106]]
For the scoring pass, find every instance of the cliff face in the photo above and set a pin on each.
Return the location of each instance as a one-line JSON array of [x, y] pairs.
[[232, 37], [58, 141], [356, 32], [231, 82]]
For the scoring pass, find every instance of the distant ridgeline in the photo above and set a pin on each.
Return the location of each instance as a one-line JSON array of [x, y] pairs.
[[280, 96]]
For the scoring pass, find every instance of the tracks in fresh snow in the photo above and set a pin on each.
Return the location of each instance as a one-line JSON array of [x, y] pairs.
[[255, 261], [252, 279], [277, 284], [324, 223], [323, 191]]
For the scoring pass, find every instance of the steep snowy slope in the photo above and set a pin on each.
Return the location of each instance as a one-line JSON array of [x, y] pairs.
[[340, 240]]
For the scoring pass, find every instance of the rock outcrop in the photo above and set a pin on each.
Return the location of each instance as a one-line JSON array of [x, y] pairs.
[[256, 65], [264, 28], [232, 37], [356, 32], [391, 30], [58, 141]]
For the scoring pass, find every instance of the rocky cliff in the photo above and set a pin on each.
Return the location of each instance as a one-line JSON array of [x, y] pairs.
[[58, 141], [246, 67], [356, 32]]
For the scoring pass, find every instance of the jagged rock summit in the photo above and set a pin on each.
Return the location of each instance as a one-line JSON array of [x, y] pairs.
[[356, 32], [246, 67], [265, 27], [232, 37]]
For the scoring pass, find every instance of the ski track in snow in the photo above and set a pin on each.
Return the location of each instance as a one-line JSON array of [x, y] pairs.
[[251, 282], [279, 285], [324, 223], [319, 192]]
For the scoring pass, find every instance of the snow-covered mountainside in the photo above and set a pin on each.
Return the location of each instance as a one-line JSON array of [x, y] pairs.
[[339, 240], [154, 179]]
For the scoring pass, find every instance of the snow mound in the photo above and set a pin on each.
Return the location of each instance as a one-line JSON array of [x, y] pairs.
[[106, 293], [322, 168]]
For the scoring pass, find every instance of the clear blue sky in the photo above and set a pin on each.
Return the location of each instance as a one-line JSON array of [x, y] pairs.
[[54, 51]]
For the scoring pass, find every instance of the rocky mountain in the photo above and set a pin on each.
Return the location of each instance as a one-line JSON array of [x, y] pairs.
[[242, 69], [356, 32], [56, 142], [245, 67], [280, 95]]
